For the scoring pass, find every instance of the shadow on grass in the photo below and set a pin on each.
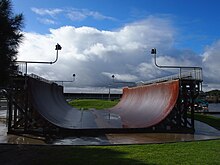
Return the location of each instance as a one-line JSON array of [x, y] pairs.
[[80, 155]]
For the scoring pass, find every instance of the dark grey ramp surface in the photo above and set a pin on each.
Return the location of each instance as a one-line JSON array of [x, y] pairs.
[[49, 101]]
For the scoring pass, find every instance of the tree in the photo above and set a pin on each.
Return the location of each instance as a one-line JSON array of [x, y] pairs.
[[10, 37]]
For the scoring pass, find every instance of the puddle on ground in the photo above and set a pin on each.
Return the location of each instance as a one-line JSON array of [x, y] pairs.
[[15, 139], [145, 138], [203, 132]]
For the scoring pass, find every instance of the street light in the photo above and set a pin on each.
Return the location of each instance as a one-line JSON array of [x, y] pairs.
[[109, 88], [57, 48], [121, 82], [154, 53], [74, 75], [62, 81], [113, 77]]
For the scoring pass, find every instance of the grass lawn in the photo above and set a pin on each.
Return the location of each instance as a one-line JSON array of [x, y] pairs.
[[176, 153], [200, 152], [93, 103]]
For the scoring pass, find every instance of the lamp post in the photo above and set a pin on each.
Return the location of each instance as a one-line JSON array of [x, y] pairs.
[[109, 92], [62, 81], [57, 48], [109, 88], [121, 82], [113, 77], [154, 53]]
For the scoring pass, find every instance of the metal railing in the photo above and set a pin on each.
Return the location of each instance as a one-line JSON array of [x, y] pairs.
[[40, 78], [192, 74]]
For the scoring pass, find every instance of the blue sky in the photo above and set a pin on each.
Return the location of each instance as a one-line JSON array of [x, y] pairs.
[[197, 21], [184, 31]]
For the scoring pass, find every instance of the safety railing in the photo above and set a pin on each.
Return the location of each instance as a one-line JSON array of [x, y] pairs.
[[184, 74], [40, 78]]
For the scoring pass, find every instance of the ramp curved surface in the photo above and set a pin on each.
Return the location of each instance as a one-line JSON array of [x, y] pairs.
[[49, 101], [140, 107], [147, 105]]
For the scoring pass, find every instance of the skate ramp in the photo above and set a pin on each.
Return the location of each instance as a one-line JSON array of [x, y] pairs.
[[148, 105], [49, 101], [140, 107]]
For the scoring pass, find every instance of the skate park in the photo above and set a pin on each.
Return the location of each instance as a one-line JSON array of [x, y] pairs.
[[128, 82], [153, 109]]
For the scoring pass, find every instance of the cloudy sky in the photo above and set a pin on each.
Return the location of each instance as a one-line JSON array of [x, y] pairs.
[[101, 38]]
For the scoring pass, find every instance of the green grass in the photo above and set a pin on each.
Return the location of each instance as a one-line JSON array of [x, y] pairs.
[[93, 103], [200, 152]]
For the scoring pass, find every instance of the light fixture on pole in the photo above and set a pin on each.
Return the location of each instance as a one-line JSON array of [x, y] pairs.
[[113, 78], [154, 53], [64, 81], [57, 48]]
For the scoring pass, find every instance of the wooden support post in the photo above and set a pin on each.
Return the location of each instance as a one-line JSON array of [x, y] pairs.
[[9, 113], [192, 105], [15, 115], [26, 110]]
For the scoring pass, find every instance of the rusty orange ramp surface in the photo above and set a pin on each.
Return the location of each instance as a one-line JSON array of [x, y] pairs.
[[139, 107], [147, 105]]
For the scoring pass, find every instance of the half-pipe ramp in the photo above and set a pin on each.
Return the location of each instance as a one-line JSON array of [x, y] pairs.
[[140, 107]]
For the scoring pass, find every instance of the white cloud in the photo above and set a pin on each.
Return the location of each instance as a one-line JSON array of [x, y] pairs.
[[51, 12], [94, 55], [81, 14], [47, 21], [76, 15], [211, 67], [121, 77], [71, 13]]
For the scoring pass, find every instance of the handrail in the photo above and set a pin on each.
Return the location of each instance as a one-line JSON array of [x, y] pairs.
[[40, 78], [190, 75]]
